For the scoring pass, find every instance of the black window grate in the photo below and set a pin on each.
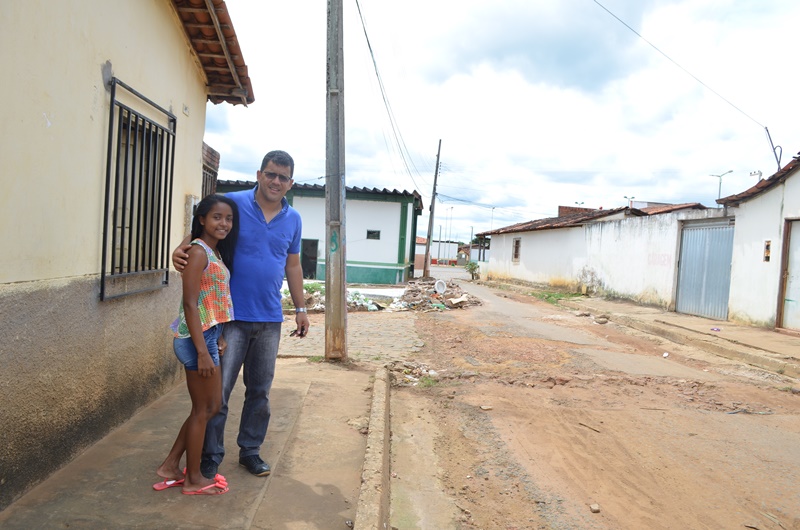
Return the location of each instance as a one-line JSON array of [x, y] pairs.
[[139, 178]]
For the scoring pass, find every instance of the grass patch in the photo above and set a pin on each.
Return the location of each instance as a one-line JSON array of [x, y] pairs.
[[553, 297], [427, 381], [316, 359], [312, 288]]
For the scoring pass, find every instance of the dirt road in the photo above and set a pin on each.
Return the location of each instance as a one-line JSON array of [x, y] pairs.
[[540, 419]]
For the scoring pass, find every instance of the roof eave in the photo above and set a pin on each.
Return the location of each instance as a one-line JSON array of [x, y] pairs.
[[762, 185], [211, 35]]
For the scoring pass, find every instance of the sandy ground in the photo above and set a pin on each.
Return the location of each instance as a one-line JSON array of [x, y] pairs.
[[539, 415]]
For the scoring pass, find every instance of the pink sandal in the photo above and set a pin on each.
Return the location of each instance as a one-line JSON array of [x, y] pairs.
[[217, 478], [168, 483], [221, 488]]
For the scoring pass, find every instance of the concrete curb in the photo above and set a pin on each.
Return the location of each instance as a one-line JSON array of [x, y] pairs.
[[372, 512], [733, 351]]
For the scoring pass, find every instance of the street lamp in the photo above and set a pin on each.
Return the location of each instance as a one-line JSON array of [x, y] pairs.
[[630, 201], [579, 203], [719, 192]]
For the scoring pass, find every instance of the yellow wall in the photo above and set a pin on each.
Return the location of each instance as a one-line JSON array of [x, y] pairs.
[[54, 126], [74, 367]]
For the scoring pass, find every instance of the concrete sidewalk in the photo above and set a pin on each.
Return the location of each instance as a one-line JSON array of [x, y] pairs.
[[317, 446]]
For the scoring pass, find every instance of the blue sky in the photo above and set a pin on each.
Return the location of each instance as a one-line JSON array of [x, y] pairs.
[[537, 104]]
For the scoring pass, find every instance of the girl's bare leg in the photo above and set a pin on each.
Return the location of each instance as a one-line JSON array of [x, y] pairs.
[[206, 394], [170, 469]]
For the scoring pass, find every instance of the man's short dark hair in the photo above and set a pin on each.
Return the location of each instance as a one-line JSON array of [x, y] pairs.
[[279, 158]]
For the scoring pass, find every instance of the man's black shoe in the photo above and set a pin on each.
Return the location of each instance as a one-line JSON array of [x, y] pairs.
[[255, 465], [208, 468]]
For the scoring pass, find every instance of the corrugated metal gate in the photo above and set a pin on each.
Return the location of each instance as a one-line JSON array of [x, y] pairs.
[[704, 270]]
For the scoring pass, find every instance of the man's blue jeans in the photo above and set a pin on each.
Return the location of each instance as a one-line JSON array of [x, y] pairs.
[[253, 349]]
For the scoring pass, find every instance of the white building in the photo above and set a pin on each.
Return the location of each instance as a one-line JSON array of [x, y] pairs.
[[379, 241], [740, 262], [765, 267]]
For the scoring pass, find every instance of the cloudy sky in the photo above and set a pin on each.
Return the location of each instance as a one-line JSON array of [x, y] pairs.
[[537, 103]]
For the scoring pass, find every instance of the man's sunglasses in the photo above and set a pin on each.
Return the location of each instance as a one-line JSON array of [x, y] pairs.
[[272, 176]]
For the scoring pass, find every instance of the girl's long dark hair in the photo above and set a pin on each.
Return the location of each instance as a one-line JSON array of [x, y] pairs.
[[225, 246]]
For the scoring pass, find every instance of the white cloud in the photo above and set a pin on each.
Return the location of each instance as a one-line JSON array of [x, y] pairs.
[[537, 104]]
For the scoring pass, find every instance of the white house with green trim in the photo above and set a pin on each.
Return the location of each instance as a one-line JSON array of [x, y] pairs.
[[380, 237]]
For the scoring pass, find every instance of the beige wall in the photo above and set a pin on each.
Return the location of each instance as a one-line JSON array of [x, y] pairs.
[[55, 121], [74, 367]]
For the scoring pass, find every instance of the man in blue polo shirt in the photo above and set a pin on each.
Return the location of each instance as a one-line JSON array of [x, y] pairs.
[[268, 246]]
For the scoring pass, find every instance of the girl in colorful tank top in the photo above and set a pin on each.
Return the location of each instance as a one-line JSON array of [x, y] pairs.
[[205, 307]]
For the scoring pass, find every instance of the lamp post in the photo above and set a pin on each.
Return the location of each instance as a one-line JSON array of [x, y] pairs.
[[450, 225], [630, 201], [719, 191]]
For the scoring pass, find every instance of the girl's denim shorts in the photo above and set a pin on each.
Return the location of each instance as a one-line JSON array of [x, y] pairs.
[[187, 353]]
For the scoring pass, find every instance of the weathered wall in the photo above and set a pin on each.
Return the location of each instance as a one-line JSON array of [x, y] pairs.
[[755, 283], [637, 258], [73, 367], [634, 257], [551, 257]]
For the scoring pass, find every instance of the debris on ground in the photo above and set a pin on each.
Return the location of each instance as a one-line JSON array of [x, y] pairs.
[[409, 373], [356, 301], [423, 294]]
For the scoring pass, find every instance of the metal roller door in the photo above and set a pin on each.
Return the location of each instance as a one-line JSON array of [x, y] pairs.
[[704, 270]]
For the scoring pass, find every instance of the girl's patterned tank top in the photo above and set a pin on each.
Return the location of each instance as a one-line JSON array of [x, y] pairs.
[[214, 302]]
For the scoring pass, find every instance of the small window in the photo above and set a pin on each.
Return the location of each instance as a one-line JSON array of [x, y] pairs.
[[515, 250], [373, 234]]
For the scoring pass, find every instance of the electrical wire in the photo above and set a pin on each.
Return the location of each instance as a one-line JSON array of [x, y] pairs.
[[678, 65], [398, 137], [516, 210]]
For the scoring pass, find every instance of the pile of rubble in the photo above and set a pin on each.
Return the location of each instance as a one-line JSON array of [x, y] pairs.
[[430, 294], [423, 294], [355, 302], [409, 373]]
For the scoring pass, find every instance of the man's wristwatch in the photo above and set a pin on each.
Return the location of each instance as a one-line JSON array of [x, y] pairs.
[[300, 310]]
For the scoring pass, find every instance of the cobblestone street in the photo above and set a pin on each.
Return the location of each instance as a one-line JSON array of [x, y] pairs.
[[372, 336]]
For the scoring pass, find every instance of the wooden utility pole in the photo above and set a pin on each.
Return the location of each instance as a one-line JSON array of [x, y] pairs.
[[426, 268], [335, 263]]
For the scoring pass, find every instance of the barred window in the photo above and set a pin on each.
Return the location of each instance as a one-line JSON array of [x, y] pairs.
[[139, 175], [373, 234], [515, 250]]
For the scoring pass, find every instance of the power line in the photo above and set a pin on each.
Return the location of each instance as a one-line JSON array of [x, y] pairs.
[[398, 137], [678, 65], [519, 210]]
